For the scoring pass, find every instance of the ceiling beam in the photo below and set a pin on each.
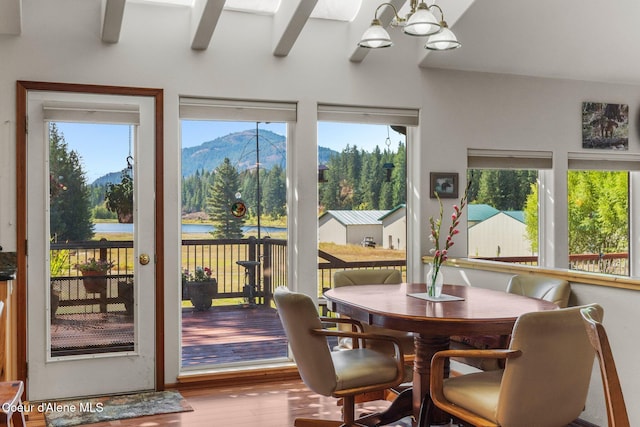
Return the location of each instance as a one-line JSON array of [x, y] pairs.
[[289, 21], [112, 15], [385, 17], [11, 17], [453, 11], [204, 21]]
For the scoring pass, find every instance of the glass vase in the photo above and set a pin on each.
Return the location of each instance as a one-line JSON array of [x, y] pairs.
[[435, 280]]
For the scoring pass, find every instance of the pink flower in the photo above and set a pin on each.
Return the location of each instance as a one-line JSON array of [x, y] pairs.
[[441, 256]]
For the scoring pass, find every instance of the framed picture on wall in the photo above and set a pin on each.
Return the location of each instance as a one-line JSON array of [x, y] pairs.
[[605, 126], [444, 184]]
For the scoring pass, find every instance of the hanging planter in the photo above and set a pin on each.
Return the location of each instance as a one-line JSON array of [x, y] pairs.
[[94, 274], [94, 281]]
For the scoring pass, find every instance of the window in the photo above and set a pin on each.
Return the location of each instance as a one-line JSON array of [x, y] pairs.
[[598, 215], [503, 204], [362, 188], [234, 229]]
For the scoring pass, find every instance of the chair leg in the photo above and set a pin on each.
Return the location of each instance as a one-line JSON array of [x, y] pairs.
[[349, 410], [426, 410]]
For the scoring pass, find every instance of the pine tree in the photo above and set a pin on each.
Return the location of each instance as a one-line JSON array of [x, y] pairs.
[[69, 195], [274, 195], [222, 195], [399, 176]]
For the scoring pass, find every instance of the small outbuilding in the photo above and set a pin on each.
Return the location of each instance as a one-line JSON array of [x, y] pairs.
[[350, 227]]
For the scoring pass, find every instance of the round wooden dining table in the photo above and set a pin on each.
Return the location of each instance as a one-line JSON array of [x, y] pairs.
[[475, 311]]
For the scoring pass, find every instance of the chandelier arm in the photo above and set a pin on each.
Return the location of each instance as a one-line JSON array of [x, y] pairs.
[[440, 9], [395, 11]]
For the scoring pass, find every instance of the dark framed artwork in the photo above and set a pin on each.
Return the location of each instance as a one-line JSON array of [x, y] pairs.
[[444, 184], [605, 126]]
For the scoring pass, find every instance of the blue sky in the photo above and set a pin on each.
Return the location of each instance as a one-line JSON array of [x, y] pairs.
[[104, 148]]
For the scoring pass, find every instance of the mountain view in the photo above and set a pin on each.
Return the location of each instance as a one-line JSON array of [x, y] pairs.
[[239, 147]]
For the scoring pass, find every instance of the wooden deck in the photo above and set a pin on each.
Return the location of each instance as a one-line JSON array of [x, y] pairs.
[[219, 336], [230, 334]]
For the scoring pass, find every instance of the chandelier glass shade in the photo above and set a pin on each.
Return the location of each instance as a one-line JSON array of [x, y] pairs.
[[376, 36], [420, 22], [444, 40]]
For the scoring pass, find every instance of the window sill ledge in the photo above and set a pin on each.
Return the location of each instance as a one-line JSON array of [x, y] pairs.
[[565, 274]]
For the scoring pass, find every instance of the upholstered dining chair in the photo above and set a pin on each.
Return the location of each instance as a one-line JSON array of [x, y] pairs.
[[546, 288], [544, 383], [370, 277], [614, 399], [341, 374]]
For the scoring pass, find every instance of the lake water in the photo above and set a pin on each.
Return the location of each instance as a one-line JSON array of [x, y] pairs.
[[114, 227]]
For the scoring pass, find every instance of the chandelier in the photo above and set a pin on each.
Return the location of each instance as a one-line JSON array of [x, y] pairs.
[[419, 22]]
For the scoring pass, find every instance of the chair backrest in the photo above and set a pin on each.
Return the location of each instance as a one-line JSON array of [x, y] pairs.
[[616, 408], [299, 316], [550, 380], [366, 277], [541, 287]]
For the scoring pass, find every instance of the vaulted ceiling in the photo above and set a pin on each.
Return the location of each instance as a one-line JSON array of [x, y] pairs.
[[571, 39]]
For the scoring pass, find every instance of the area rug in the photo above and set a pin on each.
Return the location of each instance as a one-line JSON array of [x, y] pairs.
[[86, 411]]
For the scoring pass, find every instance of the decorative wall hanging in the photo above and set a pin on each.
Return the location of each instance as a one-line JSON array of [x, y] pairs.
[[605, 126], [238, 209], [445, 184]]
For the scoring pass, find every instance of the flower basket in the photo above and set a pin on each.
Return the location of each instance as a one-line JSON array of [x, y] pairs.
[[94, 274], [94, 281], [202, 293]]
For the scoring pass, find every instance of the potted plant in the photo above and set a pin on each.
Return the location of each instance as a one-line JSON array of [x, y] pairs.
[[94, 274], [200, 287], [119, 198]]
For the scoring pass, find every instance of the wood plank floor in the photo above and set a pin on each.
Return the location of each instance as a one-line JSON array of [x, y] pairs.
[[230, 334], [263, 405]]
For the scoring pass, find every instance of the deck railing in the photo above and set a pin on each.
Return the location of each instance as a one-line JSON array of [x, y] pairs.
[[613, 263], [221, 256]]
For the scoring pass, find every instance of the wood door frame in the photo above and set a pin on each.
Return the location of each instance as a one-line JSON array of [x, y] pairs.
[[22, 89]]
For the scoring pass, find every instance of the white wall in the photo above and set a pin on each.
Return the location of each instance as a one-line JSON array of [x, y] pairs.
[[60, 43], [487, 111]]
